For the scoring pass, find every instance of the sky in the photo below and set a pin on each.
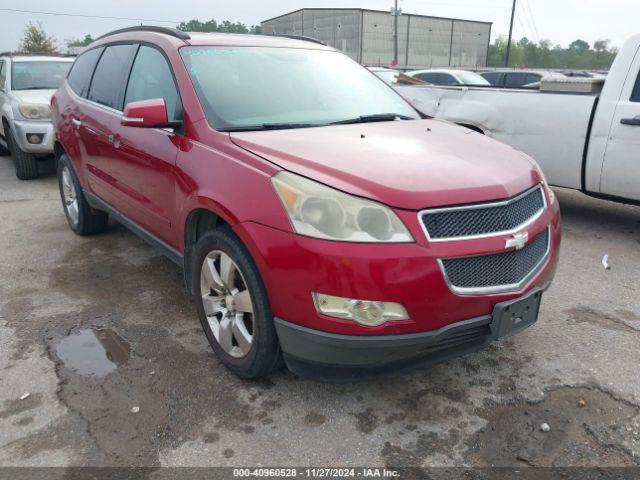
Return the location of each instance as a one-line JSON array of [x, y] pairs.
[[560, 21]]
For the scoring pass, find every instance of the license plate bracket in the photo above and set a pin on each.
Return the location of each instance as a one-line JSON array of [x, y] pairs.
[[514, 316]]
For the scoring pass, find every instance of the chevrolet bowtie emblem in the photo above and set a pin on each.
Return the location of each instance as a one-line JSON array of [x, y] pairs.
[[518, 241]]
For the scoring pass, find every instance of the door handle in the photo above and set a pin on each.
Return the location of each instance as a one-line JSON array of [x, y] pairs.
[[634, 122], [110, 137], [76, 122]]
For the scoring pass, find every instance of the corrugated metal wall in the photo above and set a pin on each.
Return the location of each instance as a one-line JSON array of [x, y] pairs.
[[337, 28], [429, 42], [377, 38], [470, 41], [367, 36]]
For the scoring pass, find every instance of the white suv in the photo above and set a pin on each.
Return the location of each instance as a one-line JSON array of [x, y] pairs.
[[27, 83]]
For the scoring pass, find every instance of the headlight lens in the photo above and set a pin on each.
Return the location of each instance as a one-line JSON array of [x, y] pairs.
[[35, 111], [316, 210]]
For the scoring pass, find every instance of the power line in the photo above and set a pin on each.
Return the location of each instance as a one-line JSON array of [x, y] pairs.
[[103, 17], [533, 20]]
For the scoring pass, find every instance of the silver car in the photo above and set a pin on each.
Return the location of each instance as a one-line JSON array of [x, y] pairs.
[[27, 83]]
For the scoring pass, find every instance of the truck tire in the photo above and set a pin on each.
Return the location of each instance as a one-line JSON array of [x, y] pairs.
[[4, 152], [82, 219], [233, 306], [26, 163]]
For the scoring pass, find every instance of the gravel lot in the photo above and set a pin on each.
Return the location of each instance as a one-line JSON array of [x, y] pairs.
[[65, 300]]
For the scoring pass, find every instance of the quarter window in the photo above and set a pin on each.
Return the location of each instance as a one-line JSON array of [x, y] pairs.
[[151, 78], [80, 75], [491, 77], [3, 75], [106, 86], [635, 95]]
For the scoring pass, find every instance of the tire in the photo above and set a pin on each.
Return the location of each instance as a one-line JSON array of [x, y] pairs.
[[261, 356], [26, 163], [4, 151], [82, 219]]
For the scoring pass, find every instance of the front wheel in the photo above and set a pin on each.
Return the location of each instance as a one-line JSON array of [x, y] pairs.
[[26, 163], [233, 306]]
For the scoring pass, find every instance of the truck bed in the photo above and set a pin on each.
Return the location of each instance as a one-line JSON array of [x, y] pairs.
[[550, 127]]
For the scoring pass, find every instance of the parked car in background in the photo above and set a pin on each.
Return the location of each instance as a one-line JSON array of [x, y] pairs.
[[584, 132], [389, 75], [27, 83], [448, 77], [519, 78], [319, 219]]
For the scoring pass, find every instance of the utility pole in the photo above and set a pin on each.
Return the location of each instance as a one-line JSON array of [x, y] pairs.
[[396, 13], [506, 57]]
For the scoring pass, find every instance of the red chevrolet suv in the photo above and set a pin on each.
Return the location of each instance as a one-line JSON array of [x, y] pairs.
[[320, 219]]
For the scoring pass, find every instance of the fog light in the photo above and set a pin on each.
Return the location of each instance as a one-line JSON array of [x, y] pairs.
[[34, 138], [365, 312]]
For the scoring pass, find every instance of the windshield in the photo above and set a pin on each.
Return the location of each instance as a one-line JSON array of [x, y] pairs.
[[244, 87], [38, 75], [470, 78]]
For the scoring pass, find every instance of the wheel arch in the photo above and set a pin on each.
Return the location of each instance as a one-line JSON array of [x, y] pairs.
[[198, 221], [58, 150], [470, 126]]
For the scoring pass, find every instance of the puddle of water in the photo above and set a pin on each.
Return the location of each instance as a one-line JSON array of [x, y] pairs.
[[93, 352]]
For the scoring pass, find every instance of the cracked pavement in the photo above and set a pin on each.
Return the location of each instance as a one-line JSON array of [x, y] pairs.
[[576, 369]]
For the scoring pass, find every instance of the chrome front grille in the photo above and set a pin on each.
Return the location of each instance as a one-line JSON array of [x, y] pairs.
[[486, 219], [497, 272]]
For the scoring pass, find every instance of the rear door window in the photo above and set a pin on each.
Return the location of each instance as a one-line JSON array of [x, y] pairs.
[[515, 80], [437, 78], [80, 75], [151, 77], [109, 77]]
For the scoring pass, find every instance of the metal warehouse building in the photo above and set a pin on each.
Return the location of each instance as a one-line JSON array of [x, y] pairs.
[[367, 36]]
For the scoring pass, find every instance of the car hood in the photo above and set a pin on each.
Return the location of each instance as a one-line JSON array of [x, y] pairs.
[[405, 164], [33, 96]]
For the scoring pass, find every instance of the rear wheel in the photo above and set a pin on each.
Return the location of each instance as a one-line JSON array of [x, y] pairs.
[[82, 219], [233, 306], [26, 163]]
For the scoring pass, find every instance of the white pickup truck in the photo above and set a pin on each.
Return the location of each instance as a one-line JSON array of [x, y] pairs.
[[586, 141]]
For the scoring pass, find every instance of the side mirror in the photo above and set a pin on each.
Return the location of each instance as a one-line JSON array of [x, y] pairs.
[[147, 114]]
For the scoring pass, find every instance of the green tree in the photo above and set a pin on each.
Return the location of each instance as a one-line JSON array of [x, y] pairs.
[[74, 42], [36, 40], [225, 26], [579, 55], [579, 46]]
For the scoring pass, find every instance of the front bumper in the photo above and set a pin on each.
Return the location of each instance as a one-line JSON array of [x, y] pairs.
[[331, 357], [21, 129], [293, 266]]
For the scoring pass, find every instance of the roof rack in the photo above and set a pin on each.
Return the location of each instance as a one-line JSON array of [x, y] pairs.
[[151, 28], [304, 38], [35, 54]]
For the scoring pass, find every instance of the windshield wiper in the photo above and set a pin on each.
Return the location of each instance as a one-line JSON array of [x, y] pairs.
[[377, 117], [269, 126]]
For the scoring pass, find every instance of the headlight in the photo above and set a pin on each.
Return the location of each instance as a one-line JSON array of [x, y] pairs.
[[552, 196], [35, 111], [316, 210]]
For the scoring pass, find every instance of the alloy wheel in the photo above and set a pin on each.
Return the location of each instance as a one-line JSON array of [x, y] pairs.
[[69, 195], [227, 303]]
